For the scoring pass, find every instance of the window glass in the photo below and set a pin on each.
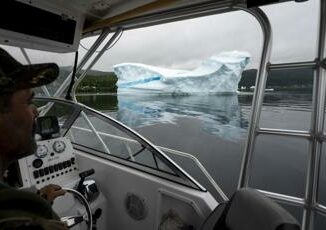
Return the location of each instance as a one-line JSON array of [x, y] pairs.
[[91, 131], [297, 212], [280, 164], [65, 61], [80, 133], [288, 100], [293, 40], [320, 222], [15, 52]]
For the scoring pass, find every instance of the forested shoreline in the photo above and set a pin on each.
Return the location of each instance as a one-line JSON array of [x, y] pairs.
[[302, 79]]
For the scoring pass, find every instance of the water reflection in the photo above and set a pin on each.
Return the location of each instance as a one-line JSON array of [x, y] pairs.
[[214, 128], [219, 115], [225, 116]]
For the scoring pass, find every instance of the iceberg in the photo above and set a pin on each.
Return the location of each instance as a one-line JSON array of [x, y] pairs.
[[217, 74]]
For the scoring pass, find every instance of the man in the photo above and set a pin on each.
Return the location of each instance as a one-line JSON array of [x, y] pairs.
[[19, 209]]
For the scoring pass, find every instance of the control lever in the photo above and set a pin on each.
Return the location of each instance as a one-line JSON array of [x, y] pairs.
[[96, 216], [80, 187]]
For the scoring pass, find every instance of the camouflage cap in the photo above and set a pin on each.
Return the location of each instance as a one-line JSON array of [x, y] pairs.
[[15, 76]]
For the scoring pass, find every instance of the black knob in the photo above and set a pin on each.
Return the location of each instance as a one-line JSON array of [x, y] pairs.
[[86, 173], [37, 163], [97, 214]]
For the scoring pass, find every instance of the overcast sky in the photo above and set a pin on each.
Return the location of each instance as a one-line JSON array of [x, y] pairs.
[[185, 44]]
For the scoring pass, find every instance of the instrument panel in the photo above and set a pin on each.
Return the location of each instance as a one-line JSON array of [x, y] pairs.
[[53, 162], [42, 151]]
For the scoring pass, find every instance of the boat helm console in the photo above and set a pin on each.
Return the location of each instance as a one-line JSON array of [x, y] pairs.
[[54, 162]]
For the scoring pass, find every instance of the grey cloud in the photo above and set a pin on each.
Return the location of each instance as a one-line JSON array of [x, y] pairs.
[[184, 44]]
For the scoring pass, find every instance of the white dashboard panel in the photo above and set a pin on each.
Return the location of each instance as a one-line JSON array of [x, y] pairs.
[[53, 163]]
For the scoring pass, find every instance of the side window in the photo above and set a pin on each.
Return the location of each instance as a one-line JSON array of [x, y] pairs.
[[107, 138], [90, 131], [65, 61]]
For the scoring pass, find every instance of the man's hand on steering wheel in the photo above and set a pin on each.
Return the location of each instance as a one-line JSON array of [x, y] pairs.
[[51, 192]]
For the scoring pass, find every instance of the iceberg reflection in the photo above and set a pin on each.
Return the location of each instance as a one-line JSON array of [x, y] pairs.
[[219, 115]]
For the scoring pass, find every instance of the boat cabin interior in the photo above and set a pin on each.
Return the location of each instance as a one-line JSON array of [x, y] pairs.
[[114, 177]]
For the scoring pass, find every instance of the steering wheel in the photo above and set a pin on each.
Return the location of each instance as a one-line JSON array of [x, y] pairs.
[[71, 221]]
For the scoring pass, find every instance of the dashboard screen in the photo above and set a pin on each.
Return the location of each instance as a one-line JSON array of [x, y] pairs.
[[47, 126]]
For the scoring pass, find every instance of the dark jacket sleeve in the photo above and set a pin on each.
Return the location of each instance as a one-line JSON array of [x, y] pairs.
[[24, 203], [26, 210]]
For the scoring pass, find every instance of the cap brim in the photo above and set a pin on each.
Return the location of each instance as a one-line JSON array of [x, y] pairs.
[[31, 76]]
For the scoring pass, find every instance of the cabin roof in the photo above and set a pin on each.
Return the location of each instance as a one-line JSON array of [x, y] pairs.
[[113, 13], [71, 20]]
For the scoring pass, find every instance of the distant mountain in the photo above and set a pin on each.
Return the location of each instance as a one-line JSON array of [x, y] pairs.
[[68, 69], [280, 79]]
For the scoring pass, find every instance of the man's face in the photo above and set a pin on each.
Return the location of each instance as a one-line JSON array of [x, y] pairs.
[[18, 125]]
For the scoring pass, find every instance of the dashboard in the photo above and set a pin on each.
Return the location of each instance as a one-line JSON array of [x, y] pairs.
[[54, 162]]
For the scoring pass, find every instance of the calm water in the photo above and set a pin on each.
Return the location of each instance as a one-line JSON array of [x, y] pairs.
[[214, 129]]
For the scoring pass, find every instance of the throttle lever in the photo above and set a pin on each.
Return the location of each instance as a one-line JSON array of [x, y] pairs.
[[80, 187], [86, 173]]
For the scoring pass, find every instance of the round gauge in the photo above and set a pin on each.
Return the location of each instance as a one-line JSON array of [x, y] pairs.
[[59, 146], [41, 151]]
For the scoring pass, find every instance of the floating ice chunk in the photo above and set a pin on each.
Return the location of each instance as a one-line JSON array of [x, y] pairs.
[[218, 74]]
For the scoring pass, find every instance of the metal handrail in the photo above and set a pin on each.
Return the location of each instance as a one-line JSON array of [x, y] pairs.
[[294, 65], [317, 126], [201, 167], [317, 119], [321, 209], [258, 97], [83, 62], [291, 200], [97, 57], [285, 132]]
